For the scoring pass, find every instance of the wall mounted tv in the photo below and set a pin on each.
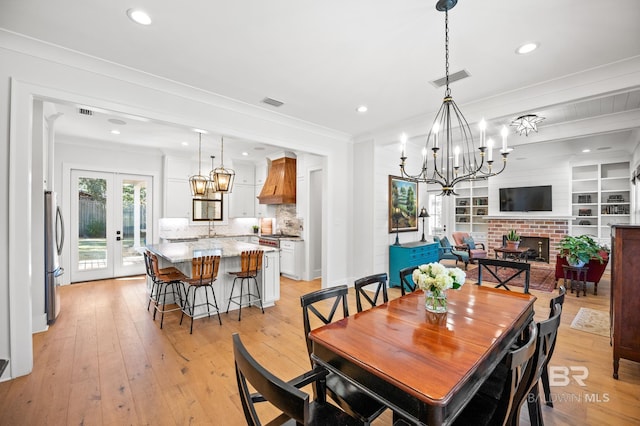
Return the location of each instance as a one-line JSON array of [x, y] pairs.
[[526, 199]]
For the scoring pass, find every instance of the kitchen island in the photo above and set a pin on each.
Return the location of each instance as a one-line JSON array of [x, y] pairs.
[[180, 254]]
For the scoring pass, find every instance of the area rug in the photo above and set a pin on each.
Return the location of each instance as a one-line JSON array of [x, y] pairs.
[[541, 278], [592, 321]]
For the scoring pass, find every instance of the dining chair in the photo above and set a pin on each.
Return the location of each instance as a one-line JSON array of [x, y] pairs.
[[295, 406], [164, 282], [250, 265], [559, 299], [380, 280], [547, 334], [503, 393], [406, 281], [515, 270], [204, 271], [328, 305]]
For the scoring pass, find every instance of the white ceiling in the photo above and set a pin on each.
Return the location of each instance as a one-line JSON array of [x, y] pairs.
[[324, 58]]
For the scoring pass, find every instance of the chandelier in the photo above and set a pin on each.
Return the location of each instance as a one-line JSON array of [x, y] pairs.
[[222, 178], [199, 184], [455, 157], [526, 124]]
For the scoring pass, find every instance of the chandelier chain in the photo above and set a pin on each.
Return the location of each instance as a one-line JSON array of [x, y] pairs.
[[446, 51]]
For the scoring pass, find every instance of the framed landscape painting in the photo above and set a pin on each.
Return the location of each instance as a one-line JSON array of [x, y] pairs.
[[403, 205]]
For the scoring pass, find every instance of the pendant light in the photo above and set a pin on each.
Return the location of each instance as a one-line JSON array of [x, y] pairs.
[[199, 183], [222, 178], [211, 190], [455, 156]]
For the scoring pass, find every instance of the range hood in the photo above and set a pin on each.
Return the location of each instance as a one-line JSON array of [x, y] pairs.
[[280, 186]]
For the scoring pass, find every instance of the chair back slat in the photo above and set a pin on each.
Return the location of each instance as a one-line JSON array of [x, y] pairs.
[[381, 289], [251, 261], [406, 280], [311, 302], [149, 265], [204, 269]]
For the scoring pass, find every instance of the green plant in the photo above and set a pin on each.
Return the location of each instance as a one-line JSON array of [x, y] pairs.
[[512, 235], [255, 227], [581, 248]]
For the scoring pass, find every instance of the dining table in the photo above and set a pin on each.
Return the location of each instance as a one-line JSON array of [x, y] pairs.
[[424, 366]]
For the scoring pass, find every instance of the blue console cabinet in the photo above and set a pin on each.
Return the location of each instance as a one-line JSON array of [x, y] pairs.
[[410, 254]]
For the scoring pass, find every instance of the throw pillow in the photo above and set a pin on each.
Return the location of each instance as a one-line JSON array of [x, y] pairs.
[[469, 241], [444, 242]]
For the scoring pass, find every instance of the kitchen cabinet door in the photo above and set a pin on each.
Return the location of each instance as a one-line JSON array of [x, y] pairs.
[[242, 201], [177, 201]]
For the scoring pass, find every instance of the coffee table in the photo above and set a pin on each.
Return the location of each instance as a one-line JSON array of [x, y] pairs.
[[508, 253]]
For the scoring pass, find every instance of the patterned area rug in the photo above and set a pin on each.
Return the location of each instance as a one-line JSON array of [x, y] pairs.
[[542, 278], [592, 321]]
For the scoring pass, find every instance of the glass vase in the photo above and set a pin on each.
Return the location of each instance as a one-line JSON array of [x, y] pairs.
[[435, 301]]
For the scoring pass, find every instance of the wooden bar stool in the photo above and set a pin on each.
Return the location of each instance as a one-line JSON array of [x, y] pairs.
[[204, 271], [251, 264], [165, 281]]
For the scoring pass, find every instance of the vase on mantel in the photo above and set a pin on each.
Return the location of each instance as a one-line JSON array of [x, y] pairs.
[[435, 301]]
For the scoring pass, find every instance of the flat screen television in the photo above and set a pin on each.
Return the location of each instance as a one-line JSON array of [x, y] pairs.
[[526, 199]]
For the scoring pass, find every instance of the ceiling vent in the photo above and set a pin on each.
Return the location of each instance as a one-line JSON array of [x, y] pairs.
[[85, 111], [459, 75], [272, 102]]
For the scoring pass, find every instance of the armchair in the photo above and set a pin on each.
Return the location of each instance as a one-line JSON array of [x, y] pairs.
[[464, 242], [447, 251], [594, 273]]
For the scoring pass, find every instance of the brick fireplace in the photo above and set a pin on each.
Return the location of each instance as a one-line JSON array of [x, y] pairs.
[[553, 229]]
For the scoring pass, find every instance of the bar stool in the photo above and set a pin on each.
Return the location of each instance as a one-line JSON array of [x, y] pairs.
[[204, 271], [251, 264], [165, 281]]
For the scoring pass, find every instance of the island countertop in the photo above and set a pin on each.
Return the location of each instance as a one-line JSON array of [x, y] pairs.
[[185, 251]]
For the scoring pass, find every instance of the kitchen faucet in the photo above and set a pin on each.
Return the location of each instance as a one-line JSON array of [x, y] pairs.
[[211, 228]]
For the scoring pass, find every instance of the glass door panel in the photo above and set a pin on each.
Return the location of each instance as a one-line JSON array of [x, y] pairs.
[[134, 215]]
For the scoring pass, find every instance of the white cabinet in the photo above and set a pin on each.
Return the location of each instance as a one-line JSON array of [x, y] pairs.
[[242, 199], [254, 240], [270, 278], [262, 210], [177, 201], [291, 258], [600, 197]]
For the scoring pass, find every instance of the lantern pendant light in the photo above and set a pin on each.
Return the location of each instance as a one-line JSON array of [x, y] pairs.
[[199, 183], [222, 178]]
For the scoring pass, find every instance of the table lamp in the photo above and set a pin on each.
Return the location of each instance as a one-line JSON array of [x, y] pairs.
[[396, 219], [423, 214]]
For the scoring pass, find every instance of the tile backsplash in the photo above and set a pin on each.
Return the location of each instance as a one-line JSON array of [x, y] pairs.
[[287, 221]]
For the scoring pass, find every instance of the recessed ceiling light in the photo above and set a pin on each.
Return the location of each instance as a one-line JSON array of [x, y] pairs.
[[527, 48], [115, 132], [117, 121], [362, 109], [204, 132], [586, 150], [245, 153], [139, 16], [184, 143]]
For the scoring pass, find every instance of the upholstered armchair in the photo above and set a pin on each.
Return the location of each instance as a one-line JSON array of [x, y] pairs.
[[594, 273], [463, 241], [447, 251]]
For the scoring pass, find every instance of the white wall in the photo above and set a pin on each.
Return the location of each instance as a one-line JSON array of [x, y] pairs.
[[49, 73]]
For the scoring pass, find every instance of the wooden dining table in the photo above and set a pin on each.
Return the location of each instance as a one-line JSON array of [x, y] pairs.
[[425, 366]]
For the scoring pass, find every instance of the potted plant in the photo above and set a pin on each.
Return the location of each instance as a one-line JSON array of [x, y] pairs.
[[256, 228], [580, 249], [513, 239]]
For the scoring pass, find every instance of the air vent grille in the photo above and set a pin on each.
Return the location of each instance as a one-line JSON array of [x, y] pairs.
[[458, 75], [272, 102], [85, 111]]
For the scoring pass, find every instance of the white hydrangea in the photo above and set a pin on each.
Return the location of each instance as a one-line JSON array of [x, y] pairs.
[[437, 277]]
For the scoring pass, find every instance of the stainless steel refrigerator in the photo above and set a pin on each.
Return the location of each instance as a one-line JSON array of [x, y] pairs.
[[53, 243]]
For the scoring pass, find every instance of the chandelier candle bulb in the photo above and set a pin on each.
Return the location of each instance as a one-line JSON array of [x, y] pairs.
[[436, 128], [483, 133], [490, 149], [403, 142], [456, 159]]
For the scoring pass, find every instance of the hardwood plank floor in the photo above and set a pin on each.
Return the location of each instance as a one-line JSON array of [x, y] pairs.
[[106, 362]]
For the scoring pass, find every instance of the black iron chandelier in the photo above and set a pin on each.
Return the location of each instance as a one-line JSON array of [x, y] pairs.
[[455, 157]]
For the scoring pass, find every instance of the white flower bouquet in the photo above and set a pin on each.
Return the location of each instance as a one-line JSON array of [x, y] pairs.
[[437, 278]]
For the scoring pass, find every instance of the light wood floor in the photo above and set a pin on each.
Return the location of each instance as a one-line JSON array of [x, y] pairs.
[[106, 362]]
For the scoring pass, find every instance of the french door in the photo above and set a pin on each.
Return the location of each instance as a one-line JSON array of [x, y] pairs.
[[110, 220]]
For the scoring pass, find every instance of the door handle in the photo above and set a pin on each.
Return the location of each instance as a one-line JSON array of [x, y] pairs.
[[118, 238]]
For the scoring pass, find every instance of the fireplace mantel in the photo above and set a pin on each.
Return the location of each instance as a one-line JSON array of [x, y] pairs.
[[530, 217]]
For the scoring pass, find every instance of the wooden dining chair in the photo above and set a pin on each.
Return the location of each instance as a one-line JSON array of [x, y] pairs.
[[547, 334], [503, 393], [295, 405], [406, 281], [326, 306], [204, 271], [380, 281], [559, 299]]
